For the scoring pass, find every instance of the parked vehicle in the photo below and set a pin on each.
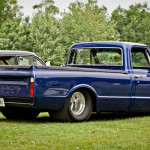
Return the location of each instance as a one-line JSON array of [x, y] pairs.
[[97, 77], [9, 57]]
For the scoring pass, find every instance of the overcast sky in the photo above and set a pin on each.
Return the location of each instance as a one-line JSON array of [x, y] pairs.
[[63, 4]]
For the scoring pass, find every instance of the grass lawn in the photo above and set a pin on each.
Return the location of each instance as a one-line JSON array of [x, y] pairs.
[[106, 131]]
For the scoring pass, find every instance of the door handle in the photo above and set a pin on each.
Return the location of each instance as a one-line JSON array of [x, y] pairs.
[[138, 76]]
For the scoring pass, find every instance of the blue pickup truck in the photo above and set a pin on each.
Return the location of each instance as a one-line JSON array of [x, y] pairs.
[[97, 77]]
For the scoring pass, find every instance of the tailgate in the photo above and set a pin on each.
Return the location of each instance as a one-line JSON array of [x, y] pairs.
[[15, 81], [12, 87]]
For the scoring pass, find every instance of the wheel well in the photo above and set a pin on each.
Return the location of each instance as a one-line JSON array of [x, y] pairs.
[[93, 96]]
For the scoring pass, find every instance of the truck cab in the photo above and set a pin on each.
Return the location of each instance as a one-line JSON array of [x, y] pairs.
[[132, 58]]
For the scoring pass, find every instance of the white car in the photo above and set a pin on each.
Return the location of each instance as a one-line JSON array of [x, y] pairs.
[[10, 57]]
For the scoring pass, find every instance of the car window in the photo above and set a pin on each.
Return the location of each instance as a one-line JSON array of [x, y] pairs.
[[140, 57], [97, 56], [28, 60], [7, 60]]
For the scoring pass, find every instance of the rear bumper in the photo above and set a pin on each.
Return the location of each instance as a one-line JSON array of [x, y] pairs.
[[41, 103], [19, 100], [25, 102]]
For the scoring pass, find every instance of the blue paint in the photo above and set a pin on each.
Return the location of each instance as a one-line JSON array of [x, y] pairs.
[[114, 91]]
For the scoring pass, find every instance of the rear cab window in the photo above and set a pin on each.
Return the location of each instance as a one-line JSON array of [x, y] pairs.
[[96, 56]]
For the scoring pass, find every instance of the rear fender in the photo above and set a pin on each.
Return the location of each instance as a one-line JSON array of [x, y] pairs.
[[91, 91], [82, 86]]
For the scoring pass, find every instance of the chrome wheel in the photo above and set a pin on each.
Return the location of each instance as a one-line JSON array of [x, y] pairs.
[[77, 103], [77, 108]]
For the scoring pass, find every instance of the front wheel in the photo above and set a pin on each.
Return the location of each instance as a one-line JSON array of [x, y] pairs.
[[78, 107]]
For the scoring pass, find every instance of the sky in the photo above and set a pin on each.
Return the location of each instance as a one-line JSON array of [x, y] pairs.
[[63, 4]]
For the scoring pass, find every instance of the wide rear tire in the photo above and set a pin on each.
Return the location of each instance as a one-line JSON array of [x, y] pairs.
[[77, 108], [19, 113]]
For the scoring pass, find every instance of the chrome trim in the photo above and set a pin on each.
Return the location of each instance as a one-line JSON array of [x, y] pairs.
[[121, 97], [141, 97], [19, 103], [114, 97], [126, 97]]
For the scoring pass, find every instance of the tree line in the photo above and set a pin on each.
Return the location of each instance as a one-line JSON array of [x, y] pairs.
[[50, 36]]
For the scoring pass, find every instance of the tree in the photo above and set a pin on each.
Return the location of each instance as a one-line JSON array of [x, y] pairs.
[[9, 10], [10, 20], [118, 16], [46, 36], [47, 7], [133, 24], [87, 22]]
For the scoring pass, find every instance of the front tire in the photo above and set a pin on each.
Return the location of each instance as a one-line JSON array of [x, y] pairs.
[[77, 108]]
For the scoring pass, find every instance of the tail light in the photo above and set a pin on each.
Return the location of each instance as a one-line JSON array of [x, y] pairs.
[[31, 87]]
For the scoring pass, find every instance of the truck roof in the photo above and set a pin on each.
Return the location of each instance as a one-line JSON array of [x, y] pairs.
[[14, 52], [106, 43]]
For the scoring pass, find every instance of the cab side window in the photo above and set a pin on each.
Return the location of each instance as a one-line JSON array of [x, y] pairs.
[[140, 57]]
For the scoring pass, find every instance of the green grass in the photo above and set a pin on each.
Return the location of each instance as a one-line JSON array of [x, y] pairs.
[[108, 132]]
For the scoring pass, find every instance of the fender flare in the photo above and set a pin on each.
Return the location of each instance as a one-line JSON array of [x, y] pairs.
[[82, 86]]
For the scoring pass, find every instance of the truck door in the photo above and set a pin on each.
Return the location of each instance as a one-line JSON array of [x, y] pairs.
[[141, 70]]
